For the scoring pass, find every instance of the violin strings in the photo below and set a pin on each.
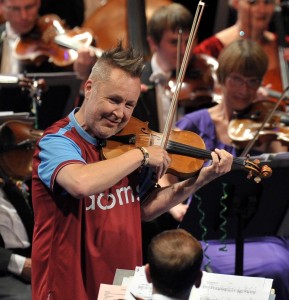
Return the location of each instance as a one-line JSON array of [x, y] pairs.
[[179, 148], [197, 152]]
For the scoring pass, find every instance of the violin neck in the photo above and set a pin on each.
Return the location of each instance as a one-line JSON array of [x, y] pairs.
[[181, 149], [72, 43]]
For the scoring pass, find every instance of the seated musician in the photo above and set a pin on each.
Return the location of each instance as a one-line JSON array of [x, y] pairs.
[[21, 20], [168, 32], [16, 227], [242, 65], [253, 20], [163, 33]]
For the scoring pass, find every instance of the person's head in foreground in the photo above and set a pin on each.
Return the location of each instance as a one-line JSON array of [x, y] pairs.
[[174, 262]]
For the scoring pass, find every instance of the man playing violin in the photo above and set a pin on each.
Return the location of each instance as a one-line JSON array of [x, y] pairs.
[[88, 210], [242, 65]]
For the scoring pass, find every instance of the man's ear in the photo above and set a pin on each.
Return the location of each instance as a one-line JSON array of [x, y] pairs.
[[148, 273], [153, 45], [199, 279]]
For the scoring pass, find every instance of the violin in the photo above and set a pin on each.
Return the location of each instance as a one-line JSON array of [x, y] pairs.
[[17, 143], [186, 150], [51, 40], [199, 85], [243, 128]]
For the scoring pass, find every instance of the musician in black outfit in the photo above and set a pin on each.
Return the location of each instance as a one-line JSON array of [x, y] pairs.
[[16, 227]]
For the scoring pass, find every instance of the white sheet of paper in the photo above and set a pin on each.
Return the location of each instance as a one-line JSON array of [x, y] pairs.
[[228, 287], [139, 286], [111, 292]]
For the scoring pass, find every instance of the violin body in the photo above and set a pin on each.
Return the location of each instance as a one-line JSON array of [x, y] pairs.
[[109, 22], [137, 134], [242, 129], [17, 140], [44, 42]]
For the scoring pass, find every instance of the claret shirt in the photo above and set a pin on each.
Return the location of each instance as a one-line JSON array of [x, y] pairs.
[[79, 243]]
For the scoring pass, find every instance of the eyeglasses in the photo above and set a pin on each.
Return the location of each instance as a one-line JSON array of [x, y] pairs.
[[253, 2], [237, 81]]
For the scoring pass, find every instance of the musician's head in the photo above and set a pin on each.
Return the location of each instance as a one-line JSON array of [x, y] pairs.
[[20, 14], [111, 92], [174, 263], [166, 25], [254, 15], [242, 66]]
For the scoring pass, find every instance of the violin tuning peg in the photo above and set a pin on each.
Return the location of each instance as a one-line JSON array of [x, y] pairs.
[[266, 171]]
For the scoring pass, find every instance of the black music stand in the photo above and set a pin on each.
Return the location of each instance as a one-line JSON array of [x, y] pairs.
[[252, 209], [57, 101]]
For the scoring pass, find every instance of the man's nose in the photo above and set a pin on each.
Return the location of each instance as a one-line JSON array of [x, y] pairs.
[[23, 13], [119, 111]]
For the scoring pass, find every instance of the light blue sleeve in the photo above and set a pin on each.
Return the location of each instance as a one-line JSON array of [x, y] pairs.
[[55, 150]]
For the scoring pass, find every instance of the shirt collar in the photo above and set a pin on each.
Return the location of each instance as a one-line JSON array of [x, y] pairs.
[[158, 75], [10, 33], [81, 131]]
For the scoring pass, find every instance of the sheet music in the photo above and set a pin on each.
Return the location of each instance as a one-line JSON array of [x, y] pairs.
[[228, 287], [111, 292], [139, 286]]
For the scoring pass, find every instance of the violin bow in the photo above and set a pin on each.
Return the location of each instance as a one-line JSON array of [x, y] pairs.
[[181, 74], [267, 118]]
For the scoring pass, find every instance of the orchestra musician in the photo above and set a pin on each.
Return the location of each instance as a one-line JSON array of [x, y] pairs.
[[88, 211], [168, 32], [153, 104], [17, 139], [162, 36], [21, 19], [242, 65], [16, 227], [252, 22]]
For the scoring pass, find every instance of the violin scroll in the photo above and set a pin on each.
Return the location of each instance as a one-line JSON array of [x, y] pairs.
[[255, 171]]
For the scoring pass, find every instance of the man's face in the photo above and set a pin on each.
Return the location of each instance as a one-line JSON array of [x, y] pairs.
[[21, 14], [109, 104], [167, 49]]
